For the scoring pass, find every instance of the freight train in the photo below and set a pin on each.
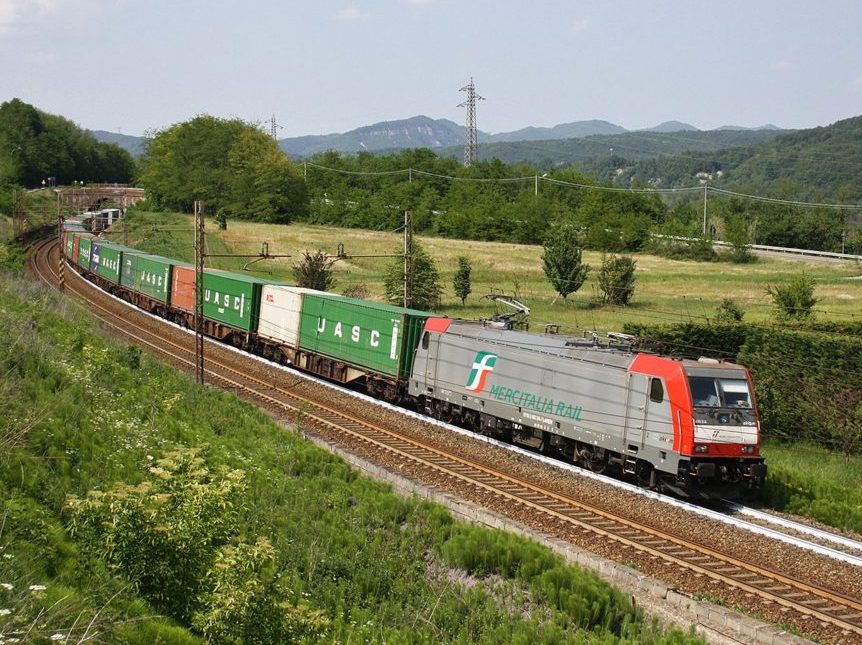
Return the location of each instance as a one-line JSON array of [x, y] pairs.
[[686, 426]]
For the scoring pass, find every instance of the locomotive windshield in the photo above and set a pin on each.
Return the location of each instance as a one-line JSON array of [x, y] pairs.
[[719, 392]]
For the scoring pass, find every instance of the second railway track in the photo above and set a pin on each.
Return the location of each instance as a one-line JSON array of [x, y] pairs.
[[832, 613]]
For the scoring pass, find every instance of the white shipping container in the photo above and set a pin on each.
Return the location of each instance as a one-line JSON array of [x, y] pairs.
[[280, 307]]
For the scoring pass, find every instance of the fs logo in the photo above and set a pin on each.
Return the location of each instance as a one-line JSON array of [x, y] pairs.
[[483, 365]]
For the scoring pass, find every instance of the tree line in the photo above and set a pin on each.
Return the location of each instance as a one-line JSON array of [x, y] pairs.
[[37, 147], [240, 172]]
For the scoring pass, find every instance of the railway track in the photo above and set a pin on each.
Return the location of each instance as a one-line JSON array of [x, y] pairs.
[[836, 613]]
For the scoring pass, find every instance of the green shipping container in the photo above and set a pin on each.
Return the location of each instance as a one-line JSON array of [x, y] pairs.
[[369, 335], [83, 259], [148, 274], [111, 258], [232, 298]]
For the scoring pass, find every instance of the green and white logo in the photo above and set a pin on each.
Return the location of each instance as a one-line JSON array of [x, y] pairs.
[[483, 365]]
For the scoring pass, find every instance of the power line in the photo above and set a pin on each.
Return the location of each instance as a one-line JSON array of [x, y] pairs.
[[775, 200], [611, 189]]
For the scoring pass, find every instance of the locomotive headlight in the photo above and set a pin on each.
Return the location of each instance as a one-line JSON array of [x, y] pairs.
[[748, 450], [701, 447]]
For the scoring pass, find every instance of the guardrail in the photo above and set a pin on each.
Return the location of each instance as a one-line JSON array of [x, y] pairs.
[[775, 249]]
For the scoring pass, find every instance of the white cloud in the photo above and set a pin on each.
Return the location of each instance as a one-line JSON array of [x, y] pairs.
[[581, 24], [421, 3], [13, 11], [856, 83], [349, 14], [783, 66]]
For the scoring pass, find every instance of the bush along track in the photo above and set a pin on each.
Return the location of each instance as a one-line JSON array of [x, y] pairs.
[[808, 382], [138, 507]]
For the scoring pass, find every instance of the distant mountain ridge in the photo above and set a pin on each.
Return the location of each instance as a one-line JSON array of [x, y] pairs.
[[134, 145], [416, 132], [437, 134]]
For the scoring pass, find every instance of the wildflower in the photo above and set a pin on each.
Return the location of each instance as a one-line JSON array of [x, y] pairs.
[[6, 586], [58, 637], [5, 612], [35, 588]]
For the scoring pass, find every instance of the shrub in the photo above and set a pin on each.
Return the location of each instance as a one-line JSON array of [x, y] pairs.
[[357, 290], [617, 280], [728, 311], [314, 271], [736, 233], [162, 534], [795, 299], [695, 248]]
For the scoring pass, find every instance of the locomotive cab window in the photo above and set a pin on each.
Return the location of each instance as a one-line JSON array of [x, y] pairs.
[[656, 391], [735, 392], [425, 337], [719, 392]]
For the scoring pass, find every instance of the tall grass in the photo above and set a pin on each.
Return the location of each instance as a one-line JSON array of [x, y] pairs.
[[86, 416], [814, 482]]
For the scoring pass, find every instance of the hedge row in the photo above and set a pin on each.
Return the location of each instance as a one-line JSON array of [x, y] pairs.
[[808, 381]]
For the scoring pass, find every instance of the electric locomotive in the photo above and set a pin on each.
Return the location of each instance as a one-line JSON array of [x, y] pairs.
[[687, 426]]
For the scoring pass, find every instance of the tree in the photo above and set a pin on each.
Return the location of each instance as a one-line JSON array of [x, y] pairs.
[[426, 291], [461, 282], [226, 163], [314, 271], [35, 145], [795, 299], [617, 280], [736, 233], [562, 260]]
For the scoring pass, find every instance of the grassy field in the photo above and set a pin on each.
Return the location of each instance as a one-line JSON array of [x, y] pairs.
[[665, 291]]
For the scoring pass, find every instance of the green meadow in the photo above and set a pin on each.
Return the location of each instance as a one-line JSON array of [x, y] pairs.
[[666, 291]]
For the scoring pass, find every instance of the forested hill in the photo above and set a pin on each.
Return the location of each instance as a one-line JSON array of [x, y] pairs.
[[598, 153], [821, 163], [38, 148]]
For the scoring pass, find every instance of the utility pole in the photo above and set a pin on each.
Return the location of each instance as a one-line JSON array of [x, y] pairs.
[[62, 266], [18, 213], [408, 258], [471, 146], [199, 291], [705, 188]]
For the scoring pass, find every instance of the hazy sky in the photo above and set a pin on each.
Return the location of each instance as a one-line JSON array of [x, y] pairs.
[[326, 66]]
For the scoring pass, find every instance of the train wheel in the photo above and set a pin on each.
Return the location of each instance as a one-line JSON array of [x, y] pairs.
[[595, 459], [645, 474]]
